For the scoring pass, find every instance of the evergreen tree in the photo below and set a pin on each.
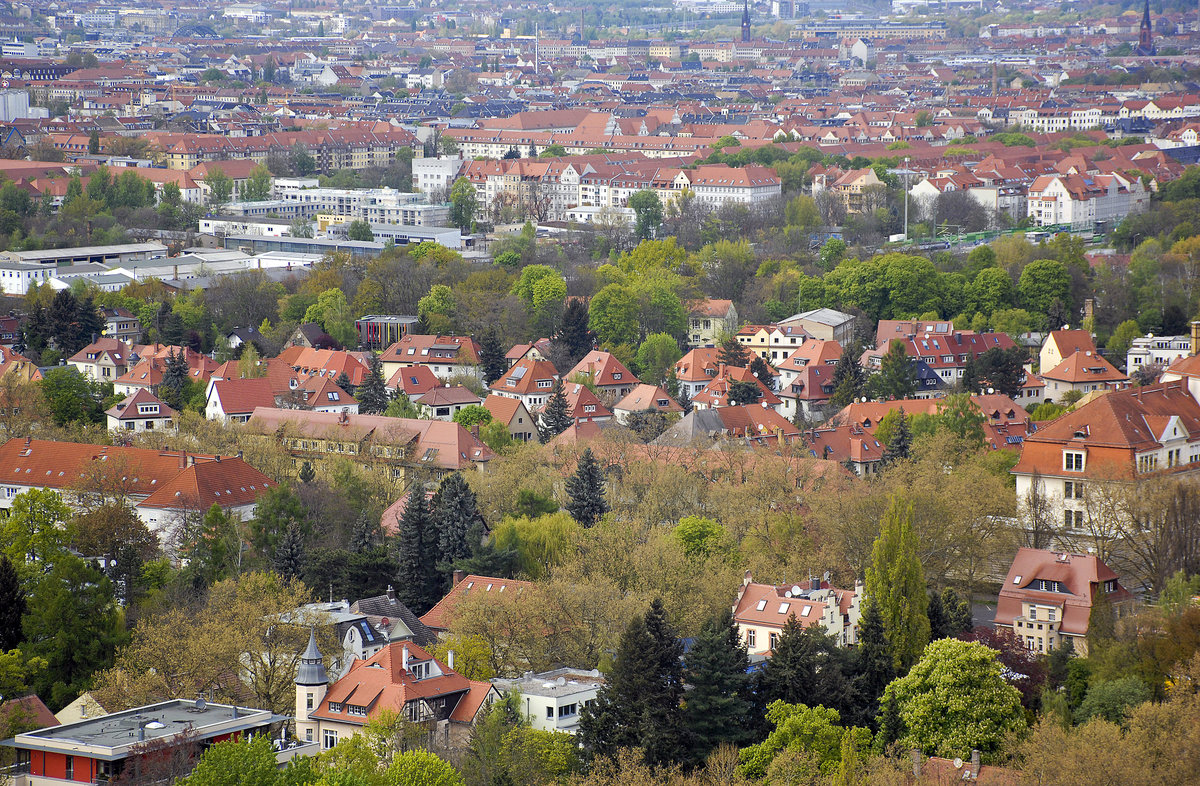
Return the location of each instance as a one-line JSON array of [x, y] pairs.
[[555, 418], [585, 491], [640, 705], [364, 535], [94, 142], [307, 473], [805, 667], [717, 708], [417, 554], [573, 331], [491, 356], [343, 382], [289, 555], [457, 516], [12, 605], [969, 382], [671, 383], [896, 582], [900, 445], [949, 615], [848, 379], [733, 352], [897, 377], [174, 379], [871, 667], [372, 393], [760, 369]]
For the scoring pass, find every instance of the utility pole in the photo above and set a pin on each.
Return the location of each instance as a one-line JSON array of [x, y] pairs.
[[906, 199]]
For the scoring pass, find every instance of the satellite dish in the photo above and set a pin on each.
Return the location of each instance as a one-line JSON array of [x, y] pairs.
[[155, 725], [787, 593], [795, 590], [201, 704], [958, 764], [561, 681]]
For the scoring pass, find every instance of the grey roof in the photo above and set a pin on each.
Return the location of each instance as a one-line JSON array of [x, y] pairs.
[[391, 607], [553, 684], [697, 424], [823, 316], [312, 665]]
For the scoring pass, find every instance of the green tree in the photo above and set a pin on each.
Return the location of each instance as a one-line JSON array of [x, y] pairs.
[[848, 380], [613, 315], [805, 668], [733, 353], [495, 435], [810, 731], [73, 398], [656, 356], [37, 532], [237, 762], [1042, 282], [573, 330], [897, 375], [472, 415], [955, 699], [420, 582], [949, 615], [12, 605], [422, 768], [555, 418], [492, 360], [1121, 340], [871, 668], [361, 231], [586, 501], [258, 185], [641, 703], [332, 313], [896, 582], [220, 187], [457, 521], [438, 309], [539, 541], [992, 289], [276, 511], [1002, 369], [288, 559], [648, 210], [1113, 700], [464, 203], [94, 142], [832, 253], [372, 393], [717, 709]]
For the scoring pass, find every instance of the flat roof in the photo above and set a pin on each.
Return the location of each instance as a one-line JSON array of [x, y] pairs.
[[110, 737], [88, 251], [558, 683]]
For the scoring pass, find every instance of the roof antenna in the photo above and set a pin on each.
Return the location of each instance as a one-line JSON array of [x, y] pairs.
[[331, 592]]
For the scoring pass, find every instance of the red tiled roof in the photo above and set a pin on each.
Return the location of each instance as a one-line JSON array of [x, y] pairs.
[[439, 617]]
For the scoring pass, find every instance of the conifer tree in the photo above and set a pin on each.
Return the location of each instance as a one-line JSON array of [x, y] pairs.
[[640, 705], [343, 382], [457, 516], [12, 605], [871, 668], [760, 369], [585, 491], [555, 419], [897, 377], [573, 330], [848, 379], [805, 668], [363, 536], [717, 709], [896, 583], [372, 393], [289, 555], [733, 352], [174, 379], [417, 554], [307, 473], [491, 356], [900, 445]]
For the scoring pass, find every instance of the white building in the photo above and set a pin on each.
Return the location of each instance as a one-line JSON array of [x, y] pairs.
[[554, 700], [432, 175], [1083, 200], [1156, 350]]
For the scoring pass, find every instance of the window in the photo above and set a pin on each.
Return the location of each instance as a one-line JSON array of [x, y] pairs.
[[335, 707], [1073, 461], [1073, 519], [567, 711], [544, 383], [328, 739], [1147, 463], [1072, 489], [70, 771], [762, 604], [783, 608], [1033, 612], [774, 641], [549, 713], [751, 638], [1051, 614], [309, 702], [308, 735]]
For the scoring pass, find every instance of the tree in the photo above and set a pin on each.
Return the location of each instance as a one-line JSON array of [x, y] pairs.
[[640, 705], [307, 474], [991, 289], [656, 356], [897, 376], [871, 667], [648, 209], [236, 762], [175, 379], [899, 446], [955, 699], [73, 623], [258, 185], [1113, 700], [573, 330], [457, 519], [613, 315], [555, 418], [277, 510], [36, 534], [585, 491], [1121, 340], [492, 359], [372, 393], [810, 732], [289, 555], [733, 353], [1003, 370], [472, 415], [805, 668], [717, 709], [848, 380], [832, 253], [360, 230], [94, 142], [12, 605], [1043, 282], [422, 768], [896, 582], [420, 583], [743, 392], [73, 398], [949, 615], [220, 187], [464, 203]]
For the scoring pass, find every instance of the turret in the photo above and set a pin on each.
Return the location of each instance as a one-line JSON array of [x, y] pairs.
[[311, 684]]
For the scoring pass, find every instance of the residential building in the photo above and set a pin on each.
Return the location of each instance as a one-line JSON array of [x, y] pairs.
[[443, 402], [446, 356], [944, 357], [553, 700], [753, 425], [584, 406], [401, 677], [103, 360], [121, 324], [392, 618], [856, 189], [529, 381], [847, 444], [717, 392], [512, 413], [141, 411], [107, 747], [709, 319], [825, 324], [1159, 351], [440, 617], [1047, 597], [234, 400], [772, 343], [605, 373], [761, 611], [696, 369], [1084, 372], [1061, 344], [645, 398], [1085, 201]]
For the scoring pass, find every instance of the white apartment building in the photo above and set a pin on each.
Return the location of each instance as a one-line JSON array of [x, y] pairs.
[[1156, 350], [554, 700], [1083, 200], [435, 174]]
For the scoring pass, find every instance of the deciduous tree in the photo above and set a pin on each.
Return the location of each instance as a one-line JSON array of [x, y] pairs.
[[896, 582]]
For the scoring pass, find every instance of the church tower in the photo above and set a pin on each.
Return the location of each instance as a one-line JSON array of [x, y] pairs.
[[746, 21], [311, 684], [1145, 47]]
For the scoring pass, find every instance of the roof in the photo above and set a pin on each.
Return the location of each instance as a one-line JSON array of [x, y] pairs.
[[771, 606], [1068, 342], [522, 379], [645, 397], [27, 712], [1077, 577], [413, 348], [1082, 366], [603, 369], [440, 616], [389, 607], [243, 396], [503, 408], [118, 351], [128, 409], [469, 705], [448, 396]]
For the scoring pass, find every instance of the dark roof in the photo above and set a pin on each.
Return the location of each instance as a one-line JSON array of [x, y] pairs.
[[385, 606]]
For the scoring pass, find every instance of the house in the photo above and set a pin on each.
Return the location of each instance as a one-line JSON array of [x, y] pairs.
[[854, 188], [806, 378], [395, 620], [445, 356], [331, 363], [1119, 437], [1084, 200], [512, 413], [944, 356], [318, 394], [443, 402], [1061, 344], [529, 381], [717, 392], [761, 611], [824, 324], [167, 488], [401, 677], [709, 319], [140, 412], [359, 637], [1159, 351], [234, 400], [535, 351], [150, 364], [607, 374], [1047, 597], [696, 369], [240, 336], [646, 398], [106, 747], [553, 700], [121, 324], [1085, 371], [772, 343], [103, 360], [26, 713], [310, 334], [584, 406], [85, 706], [413, 381], [1005, 426], [751, 425], [846, 444], [440, 617]]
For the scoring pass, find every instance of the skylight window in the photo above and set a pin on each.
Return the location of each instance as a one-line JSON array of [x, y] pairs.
[[783, 608]]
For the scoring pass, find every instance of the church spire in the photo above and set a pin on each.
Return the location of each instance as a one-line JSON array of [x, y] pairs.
[[745, 21], [1145, 47]]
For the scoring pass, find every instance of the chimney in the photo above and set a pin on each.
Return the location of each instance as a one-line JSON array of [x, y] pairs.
[[183, 457], [975, 763], [450, 659], [391, 594], [916, 763], [1195, 338], [141, 733], [236, 714], [816, 584], [457, 578], [404, 657], [720, 370]]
